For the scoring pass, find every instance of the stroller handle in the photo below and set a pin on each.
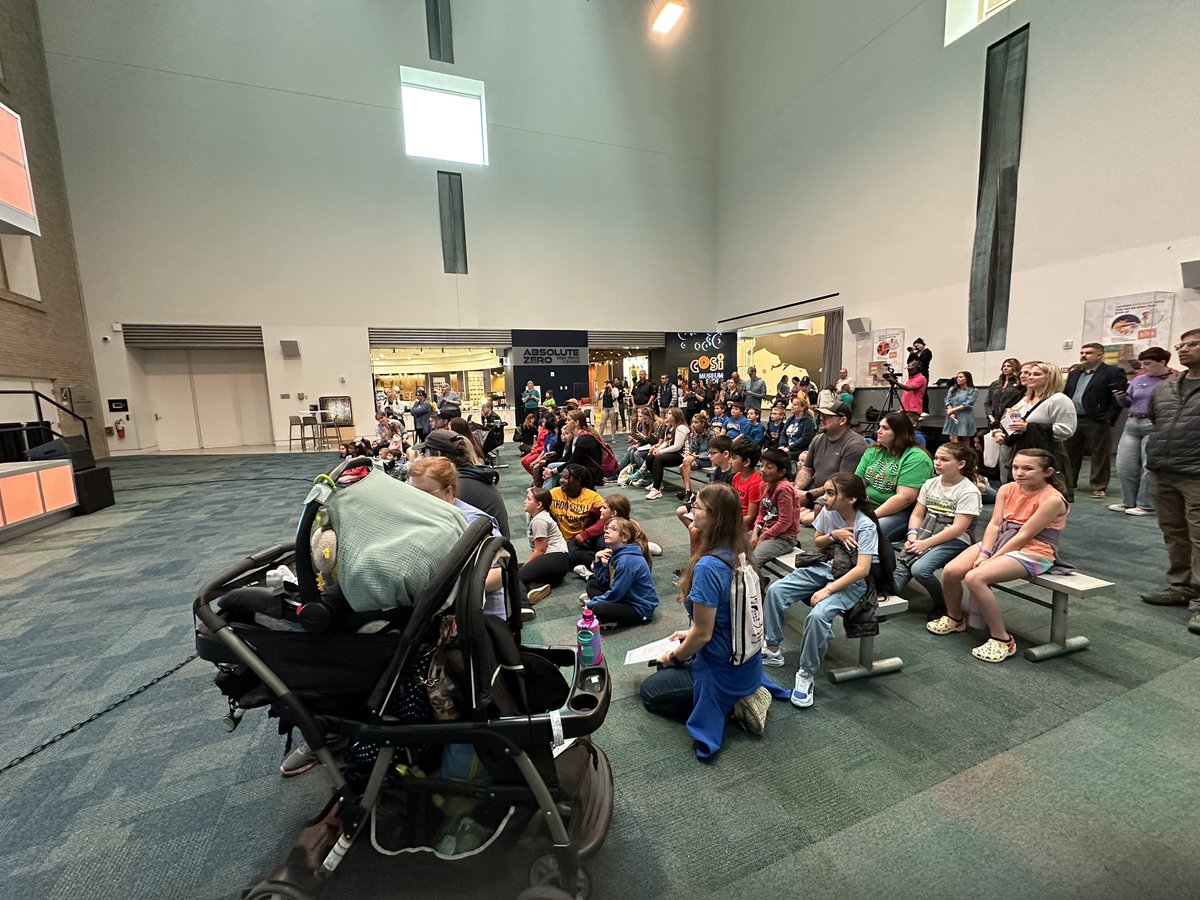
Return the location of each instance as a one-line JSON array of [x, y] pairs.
[[202, 607]]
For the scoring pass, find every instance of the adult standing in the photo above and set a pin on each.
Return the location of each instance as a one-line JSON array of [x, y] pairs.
[[783, 394], [622, 410], [1173, 458], [845, 379], [1093, 387], [960, 409], [1004, 391], [667, 395], [921, 355], [643, 392], [913, 398], [1043, 419], [756, 390], [1131, 449], [420, 413], [449, 396], [735, 390], [693, 401], [609, 402], [531, 399]]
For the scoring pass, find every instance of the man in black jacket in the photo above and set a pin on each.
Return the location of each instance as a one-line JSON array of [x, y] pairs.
[[643, 392], [1093, 387], [476, 484], [1173, 458]]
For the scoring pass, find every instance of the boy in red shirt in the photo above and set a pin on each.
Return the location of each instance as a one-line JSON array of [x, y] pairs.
[[777, 525], [746, 481]]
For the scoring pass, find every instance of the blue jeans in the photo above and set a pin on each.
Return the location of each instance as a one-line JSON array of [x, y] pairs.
[[799, 586], [892, 528], [1131, 463], [925, 568]]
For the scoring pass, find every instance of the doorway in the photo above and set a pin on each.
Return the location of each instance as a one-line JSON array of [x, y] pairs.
[[208, 399]]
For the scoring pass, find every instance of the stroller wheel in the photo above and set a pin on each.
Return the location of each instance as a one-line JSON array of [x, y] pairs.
[[545, 881], [274, 890]]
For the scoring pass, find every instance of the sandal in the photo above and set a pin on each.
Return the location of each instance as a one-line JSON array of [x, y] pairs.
[[1099, 495], [995, 651], [946, 625]]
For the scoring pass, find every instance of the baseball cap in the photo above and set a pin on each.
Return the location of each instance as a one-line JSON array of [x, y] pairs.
[[444, 441], [835, 409]]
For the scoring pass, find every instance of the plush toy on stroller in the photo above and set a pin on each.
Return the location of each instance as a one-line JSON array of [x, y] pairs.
[[452, 735]]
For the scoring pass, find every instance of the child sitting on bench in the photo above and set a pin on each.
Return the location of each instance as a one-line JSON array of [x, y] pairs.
[[847, 526], [1021, 541]]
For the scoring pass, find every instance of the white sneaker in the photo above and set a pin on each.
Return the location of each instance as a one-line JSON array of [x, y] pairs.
[[802, 692], [655, 549], [1138, 511], [582, 571], [538, 594], [654, 494], [1118, 507], [772, 657]]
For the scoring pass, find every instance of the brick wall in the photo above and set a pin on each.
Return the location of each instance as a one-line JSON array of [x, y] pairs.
[[46, 340]]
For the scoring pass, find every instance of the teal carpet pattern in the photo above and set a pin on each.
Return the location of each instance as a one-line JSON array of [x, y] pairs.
[[1069, 778]]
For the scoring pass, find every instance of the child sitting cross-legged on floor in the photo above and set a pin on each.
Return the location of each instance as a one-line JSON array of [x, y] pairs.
[[1021, 541], [621, 590], [846, 526]]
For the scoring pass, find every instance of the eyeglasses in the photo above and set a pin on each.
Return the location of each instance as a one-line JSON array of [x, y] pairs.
[[1188, 345], [697, 506]]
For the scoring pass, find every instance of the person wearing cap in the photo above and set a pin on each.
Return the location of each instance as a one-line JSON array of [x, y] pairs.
[[756, 390], [476, 484], [420, 413], [667, 394], [835, 449]]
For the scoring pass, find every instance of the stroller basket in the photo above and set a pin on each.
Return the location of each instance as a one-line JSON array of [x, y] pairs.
[[515, 708]]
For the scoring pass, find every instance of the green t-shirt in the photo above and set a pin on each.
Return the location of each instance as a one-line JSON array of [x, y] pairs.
[[883, 472]]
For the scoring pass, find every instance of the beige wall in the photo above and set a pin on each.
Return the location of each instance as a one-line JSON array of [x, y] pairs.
[[43, 341]]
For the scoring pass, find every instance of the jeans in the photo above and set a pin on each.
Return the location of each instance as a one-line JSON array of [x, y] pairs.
[[635, 456], [669, 692], [892, 528], [1131, 462], [925, 569], [799, 586]]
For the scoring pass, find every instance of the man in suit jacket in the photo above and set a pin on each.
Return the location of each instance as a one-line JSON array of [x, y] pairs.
[[1093, 387]]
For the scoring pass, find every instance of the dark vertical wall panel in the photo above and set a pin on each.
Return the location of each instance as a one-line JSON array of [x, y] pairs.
[[996, 209], [567, 379], [441, 35], [454, 228]]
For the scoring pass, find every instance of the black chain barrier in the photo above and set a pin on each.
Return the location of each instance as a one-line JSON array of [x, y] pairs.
[[74, 728]]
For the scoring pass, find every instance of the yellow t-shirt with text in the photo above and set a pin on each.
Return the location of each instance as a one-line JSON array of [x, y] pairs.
[[572, 514]]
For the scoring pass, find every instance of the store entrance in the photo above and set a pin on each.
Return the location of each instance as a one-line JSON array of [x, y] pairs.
[[476, 374]]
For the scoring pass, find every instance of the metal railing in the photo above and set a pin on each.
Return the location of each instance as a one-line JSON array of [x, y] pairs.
[[42, 424]]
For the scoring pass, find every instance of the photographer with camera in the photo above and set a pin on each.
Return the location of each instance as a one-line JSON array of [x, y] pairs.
[[835, 449], [913, 399]]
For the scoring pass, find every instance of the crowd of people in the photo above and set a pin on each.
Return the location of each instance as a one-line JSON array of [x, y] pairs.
[[884, 511]]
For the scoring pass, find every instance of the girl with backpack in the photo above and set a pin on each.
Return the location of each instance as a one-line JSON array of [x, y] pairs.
[[848, 529], [622, 573], [696, 680], [1021, 541]]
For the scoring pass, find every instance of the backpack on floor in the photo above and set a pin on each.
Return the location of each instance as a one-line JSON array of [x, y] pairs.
[[745, 612], [608, 460]]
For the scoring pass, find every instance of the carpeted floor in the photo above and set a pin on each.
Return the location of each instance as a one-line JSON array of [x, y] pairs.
[[1072, 777]]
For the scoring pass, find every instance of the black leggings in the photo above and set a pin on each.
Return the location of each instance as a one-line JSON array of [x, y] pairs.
[[549, 568], [617, 613], [662, 461], [582, 554]]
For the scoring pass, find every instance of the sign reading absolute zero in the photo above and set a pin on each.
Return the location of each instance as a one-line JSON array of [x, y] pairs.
[[549, 356]]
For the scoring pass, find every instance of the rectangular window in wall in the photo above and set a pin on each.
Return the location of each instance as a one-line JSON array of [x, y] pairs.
[[441, 35], [454, 227], [445, 117], [996, 206]]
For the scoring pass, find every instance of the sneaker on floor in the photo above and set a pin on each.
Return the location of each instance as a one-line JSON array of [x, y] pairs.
[[1119, 507], [538, 594], [1194, 624], [995, 651], [772, 657], [946, 625], [802, 692], [1172, 596], [1138, 511], [751, 712], [584, 598], [302, 759], [655, 549], [582, 571], [528, 614], [654, 494], [637, 480]]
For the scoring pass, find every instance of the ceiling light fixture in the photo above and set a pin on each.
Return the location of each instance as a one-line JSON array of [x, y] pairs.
[[668, 16]]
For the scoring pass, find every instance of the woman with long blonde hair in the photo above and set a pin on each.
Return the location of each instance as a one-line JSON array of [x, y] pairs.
[[1043, 419]]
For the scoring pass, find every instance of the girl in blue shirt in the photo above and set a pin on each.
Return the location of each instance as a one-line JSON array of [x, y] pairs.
[[622, 570], [755, 430], [696, 680]]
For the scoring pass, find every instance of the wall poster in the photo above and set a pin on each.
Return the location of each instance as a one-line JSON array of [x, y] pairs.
[[1128, 325]]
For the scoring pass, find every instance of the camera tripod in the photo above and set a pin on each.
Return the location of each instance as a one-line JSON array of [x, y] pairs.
[[890, 405]]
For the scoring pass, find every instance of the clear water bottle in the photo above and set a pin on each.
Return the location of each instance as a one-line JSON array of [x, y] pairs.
[[587, 636]]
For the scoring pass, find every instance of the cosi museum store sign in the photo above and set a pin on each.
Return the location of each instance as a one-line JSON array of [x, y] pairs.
[[549, 356]]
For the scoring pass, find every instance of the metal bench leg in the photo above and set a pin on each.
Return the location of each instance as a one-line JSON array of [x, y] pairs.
[[1059, 642], [867, 666]]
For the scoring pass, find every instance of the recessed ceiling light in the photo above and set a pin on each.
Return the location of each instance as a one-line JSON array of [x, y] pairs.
[[668, 16]]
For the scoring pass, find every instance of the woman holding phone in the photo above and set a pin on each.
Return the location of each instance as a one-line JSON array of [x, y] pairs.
[[1044, 418]]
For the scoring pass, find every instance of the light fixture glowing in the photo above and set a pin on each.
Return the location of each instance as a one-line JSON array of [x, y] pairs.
[[670, 14]]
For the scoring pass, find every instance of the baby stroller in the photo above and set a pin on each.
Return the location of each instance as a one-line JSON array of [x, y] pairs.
[[306, 655]]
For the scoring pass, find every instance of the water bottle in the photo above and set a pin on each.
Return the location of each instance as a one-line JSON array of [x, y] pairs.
[[587, 635]]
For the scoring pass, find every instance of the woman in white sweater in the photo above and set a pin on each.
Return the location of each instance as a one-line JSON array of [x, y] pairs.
[[1044, 418], [668, 451]]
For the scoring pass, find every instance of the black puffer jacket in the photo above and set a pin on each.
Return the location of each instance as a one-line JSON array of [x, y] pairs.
[[477, 487], [1174, 445]]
